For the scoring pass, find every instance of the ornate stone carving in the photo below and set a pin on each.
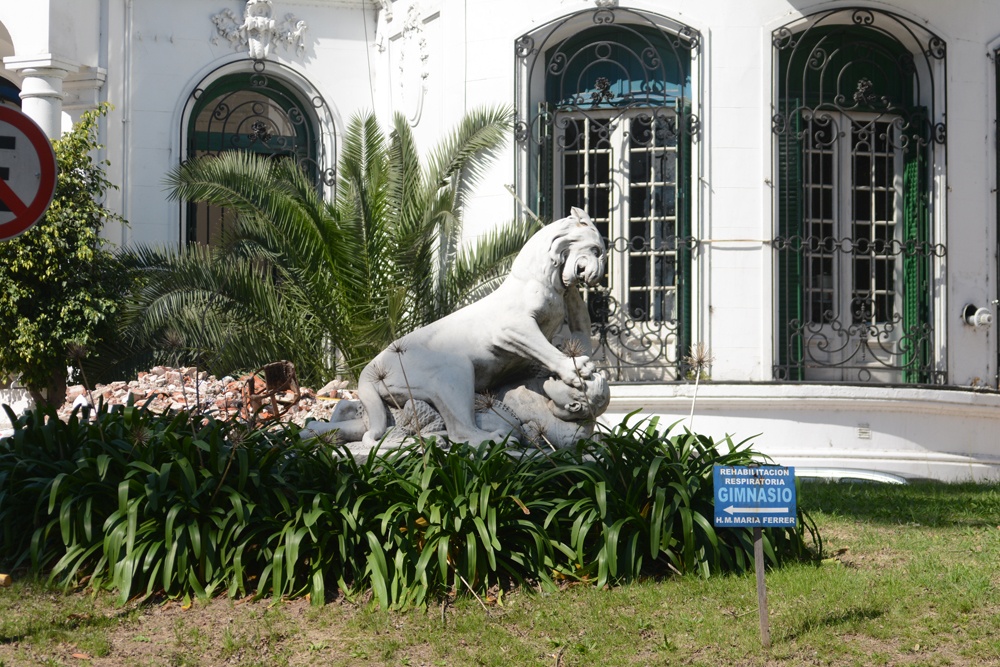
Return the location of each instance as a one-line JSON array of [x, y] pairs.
[[259, 31], [386, 7], [412, 54], [473, 375]]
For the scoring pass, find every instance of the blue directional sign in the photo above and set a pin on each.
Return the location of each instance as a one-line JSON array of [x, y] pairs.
[[755, 496]]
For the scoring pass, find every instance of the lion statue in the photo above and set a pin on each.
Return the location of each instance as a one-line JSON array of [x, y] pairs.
[[504, 337]]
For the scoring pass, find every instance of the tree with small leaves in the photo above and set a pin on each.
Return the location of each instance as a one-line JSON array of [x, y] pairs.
[[60, 284]]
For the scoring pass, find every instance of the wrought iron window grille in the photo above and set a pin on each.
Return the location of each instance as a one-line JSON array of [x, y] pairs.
[[606, 123], [260, 112], [858, 126]]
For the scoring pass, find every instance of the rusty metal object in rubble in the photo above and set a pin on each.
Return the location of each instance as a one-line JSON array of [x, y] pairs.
[[279, 380]]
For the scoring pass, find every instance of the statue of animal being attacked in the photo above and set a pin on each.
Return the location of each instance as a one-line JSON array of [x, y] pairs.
[[499, 352]]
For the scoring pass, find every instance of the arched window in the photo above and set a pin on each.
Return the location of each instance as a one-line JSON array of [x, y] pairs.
[[858, 126], [606, 123], [259, 112]]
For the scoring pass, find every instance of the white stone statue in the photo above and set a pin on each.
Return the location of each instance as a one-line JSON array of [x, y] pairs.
[[500, 347], [549, 413]]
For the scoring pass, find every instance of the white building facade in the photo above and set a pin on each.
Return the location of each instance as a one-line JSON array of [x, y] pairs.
[[806, 189]]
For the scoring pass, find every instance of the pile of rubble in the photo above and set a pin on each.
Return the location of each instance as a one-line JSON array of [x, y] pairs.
[[164, 388]]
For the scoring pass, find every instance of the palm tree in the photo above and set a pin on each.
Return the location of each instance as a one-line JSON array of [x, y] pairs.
[[325, 285]]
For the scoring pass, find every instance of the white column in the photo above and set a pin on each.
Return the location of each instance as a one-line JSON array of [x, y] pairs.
[[42, 88]]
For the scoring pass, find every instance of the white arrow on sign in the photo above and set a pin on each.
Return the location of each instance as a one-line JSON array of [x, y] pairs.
[[755, 510]]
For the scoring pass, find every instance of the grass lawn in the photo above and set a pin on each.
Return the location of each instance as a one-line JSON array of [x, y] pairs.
[[911, 576]]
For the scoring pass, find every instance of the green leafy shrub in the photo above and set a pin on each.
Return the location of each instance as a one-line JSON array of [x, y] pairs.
[[189, 505], [640, 502], [461, 519], [62, 286], [140, 502]]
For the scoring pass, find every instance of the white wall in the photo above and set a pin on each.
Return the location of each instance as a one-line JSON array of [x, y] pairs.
[[912, 432], [169, 50]]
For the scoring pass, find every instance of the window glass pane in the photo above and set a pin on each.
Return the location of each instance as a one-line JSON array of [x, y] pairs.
[[638, 165], [883, 173], [638, 235], [666, 235], [599, 167], [883, 205], [664, 307], [862, 205], [573, 135], [641, 134], [639, 202], [665, 167], [666, 201], [572, 197], [573, 168], [600, 203]]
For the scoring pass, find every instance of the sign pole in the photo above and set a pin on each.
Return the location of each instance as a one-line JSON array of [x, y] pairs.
[[758, 559]]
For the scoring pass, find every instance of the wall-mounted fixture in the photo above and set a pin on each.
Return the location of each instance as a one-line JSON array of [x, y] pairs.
[[977, 316]]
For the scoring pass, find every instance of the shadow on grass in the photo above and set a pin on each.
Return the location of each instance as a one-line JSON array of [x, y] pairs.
[[925, 503], [846, 617], [34, 609], [42, 627]]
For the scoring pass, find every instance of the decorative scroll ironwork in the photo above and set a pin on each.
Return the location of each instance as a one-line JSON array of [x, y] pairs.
[[257, 112], [605, 122], [640, 339], [259, 132], [858, 125], [873, 342], [603, 92]]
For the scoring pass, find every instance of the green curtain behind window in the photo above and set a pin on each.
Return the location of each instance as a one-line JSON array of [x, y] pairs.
[[684, 204], [916, 262], [790, 261]]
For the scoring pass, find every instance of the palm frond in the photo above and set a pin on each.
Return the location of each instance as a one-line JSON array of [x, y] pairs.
[[276, 204], [296, 277], [463, 158], [223, 310]]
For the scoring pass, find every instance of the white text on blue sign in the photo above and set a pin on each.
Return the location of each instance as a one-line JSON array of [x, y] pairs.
[[752, 496]]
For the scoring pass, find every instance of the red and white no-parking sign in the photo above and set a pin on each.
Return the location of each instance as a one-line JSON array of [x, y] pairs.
[[27, 173]]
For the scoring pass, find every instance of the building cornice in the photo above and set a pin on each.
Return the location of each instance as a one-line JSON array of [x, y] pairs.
[[772, 397], [40, 61]]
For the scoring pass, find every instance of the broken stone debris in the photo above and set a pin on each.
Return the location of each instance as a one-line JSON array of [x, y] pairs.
[[163, 388]]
